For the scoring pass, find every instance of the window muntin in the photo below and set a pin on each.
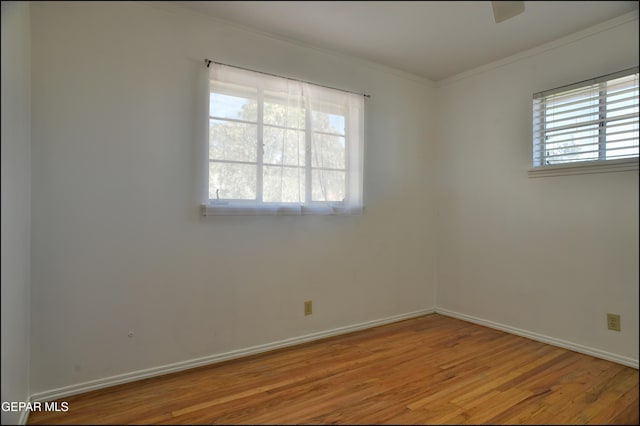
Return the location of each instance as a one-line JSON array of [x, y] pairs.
[[593, 121]]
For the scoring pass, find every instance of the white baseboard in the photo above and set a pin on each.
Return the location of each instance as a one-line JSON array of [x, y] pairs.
[[212, 359], [24, 417], [629, 362]]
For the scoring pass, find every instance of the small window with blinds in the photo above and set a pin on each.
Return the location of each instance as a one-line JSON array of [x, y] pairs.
[[587, 123]]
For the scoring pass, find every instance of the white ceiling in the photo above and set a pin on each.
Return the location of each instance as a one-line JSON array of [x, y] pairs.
[[432, 39]]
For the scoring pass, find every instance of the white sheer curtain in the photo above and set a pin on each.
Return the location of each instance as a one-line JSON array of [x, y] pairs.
[[281, 146]]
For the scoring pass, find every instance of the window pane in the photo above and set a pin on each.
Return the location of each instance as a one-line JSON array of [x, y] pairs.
[[328, 122], [574, 136], [283, 112], [283, 184], [232, 101], [283, 146], [579, 144], [621, 107], [567, 153], [328, 151], [623, 84], [622, 129], [622, 139], [232, 181], [233, 141], [572, 114], [327, 185], [622, 150]]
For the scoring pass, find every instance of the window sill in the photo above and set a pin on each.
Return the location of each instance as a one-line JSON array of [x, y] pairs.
[[624, 165], [222, 209]]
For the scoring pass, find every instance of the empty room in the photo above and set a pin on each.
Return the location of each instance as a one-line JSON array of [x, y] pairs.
[[320, 212]]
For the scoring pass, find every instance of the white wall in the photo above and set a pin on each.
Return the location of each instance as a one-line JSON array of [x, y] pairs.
[[546, 255], [16, 204], [118, 244]]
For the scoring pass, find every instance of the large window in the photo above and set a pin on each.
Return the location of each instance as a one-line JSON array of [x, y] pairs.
[[592, 121], [281, 146]]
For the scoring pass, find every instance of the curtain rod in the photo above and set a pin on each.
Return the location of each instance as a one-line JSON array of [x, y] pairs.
[[209, 62]]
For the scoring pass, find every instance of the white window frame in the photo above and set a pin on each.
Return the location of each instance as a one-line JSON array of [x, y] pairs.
[[602, 164], [351, 204]]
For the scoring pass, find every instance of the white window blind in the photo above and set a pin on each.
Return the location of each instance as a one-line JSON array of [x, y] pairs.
[[590, 121], [282, 146]]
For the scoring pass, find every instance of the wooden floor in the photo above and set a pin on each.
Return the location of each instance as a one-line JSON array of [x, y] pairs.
[[428, 370]]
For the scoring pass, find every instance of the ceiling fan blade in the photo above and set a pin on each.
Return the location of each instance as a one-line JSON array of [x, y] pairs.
[[503, 10]]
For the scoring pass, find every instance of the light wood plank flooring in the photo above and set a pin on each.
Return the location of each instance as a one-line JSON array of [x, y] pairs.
[[427, 370]]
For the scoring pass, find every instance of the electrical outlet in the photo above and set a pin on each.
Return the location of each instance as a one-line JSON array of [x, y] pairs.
[[308, 307], [613, 322]]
